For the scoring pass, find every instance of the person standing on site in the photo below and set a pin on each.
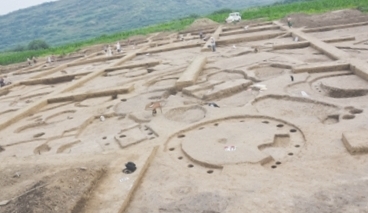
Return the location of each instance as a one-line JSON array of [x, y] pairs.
[[289, 22], [118, 47], [201, 35], [2, 82], [34, 59], [109, 51], [29, 62], [213, 44]]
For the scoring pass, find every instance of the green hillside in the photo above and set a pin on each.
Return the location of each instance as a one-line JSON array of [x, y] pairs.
[[66, 21]]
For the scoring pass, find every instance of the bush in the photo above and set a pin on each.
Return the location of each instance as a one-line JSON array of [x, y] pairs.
[[194, 16], [363, 8], [225, 10], [19, 48], [38, 45]]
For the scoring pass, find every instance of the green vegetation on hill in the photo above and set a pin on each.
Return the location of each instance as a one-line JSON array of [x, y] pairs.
[[280, 10], [273, 12], [16, 57], [66, 21]]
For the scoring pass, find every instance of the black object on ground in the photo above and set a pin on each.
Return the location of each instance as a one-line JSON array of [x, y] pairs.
[[130, 167], [213, 105]]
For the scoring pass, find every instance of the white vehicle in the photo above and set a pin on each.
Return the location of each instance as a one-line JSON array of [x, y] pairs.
[[233, 17]]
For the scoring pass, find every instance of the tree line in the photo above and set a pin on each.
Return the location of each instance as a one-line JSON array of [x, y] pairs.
[[33, 45]]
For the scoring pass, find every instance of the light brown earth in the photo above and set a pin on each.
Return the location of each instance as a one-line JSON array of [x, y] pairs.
[[273, 144]]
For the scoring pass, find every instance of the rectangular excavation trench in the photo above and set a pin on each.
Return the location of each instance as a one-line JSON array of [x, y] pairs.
[[356, 65]]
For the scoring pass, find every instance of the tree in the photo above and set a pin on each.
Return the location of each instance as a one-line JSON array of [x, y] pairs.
[[37, 45]]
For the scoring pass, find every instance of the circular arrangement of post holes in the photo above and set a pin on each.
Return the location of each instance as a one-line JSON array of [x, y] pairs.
[[104, 138], [290, 153], [181, 157], [277, 163], [149, 133], [280, 126]]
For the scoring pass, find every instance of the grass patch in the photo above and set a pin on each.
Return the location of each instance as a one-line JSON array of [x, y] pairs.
[[272, 12]]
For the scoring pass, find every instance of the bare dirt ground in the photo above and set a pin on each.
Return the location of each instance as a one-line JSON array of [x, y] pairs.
[[327, 19], [263, 124]]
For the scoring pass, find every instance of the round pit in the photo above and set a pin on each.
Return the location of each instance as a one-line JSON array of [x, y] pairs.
[[38, 135], [348, 117], [356, 111], [186, 114]]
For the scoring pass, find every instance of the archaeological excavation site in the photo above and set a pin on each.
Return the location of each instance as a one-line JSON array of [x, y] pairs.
[[274, 120]]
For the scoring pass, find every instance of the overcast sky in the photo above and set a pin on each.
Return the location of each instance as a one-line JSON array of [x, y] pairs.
[[7, 6]]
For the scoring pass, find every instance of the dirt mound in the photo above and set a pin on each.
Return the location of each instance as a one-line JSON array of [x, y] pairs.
[[327, 19], [203, 22]]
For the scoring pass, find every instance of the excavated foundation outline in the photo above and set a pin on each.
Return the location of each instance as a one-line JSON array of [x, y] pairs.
[[196, 126], [65, 95]]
